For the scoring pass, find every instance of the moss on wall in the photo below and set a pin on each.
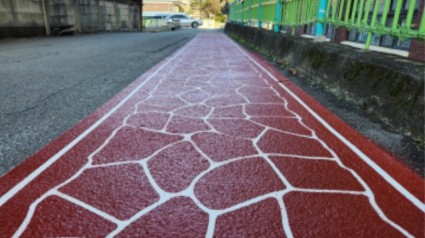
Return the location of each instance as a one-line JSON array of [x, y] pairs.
[[387, 87]]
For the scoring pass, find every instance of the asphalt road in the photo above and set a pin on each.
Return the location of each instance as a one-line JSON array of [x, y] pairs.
[[47, 85]]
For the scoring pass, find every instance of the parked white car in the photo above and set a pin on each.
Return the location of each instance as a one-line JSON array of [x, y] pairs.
[[185, 21]]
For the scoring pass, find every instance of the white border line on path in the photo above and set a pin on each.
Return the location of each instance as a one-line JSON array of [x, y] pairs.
[[6, 197], [356, 150], [54, 158]]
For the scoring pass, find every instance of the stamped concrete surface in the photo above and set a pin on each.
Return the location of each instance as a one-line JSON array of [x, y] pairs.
[[212, 142]]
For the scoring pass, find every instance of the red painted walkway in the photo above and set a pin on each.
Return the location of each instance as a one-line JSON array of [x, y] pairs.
[[211, 142]]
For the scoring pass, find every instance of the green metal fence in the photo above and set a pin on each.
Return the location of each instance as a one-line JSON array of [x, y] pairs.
[[299, 12], [397, 18], [268, 10]]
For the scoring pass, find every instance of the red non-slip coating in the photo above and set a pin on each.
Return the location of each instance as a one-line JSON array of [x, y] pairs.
[[210, 143]]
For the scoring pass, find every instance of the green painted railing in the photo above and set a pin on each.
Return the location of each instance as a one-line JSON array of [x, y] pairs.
[[299, 12], [370, 16]]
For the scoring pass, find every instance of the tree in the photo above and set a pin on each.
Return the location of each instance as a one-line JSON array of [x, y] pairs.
[[207, 7], [225, 7], [181, 9], [194, 5], [211, 7]]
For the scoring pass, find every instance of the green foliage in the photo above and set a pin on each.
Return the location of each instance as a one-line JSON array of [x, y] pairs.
[[194, 4], [211, 7], [220, 18], [207, 7]]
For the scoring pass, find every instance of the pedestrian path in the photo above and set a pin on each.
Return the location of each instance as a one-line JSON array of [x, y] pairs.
[[211, 142]]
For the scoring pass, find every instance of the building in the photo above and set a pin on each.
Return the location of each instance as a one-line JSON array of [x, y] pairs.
[[165, 6]]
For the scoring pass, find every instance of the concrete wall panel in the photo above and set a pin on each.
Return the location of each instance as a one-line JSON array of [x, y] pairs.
[[21, 13], [92, 16], [61, 13], [89, 15]]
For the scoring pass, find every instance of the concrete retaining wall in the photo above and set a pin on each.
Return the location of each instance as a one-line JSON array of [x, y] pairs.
[[89, 15], [21, 17], [26, 17], [61, 13], [387, 87], [21, 13], [118, 16]]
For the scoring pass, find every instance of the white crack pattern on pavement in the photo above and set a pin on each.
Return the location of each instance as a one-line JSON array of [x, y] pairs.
[[210, 88]]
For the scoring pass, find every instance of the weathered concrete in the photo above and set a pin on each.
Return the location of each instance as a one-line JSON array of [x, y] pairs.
[[25, 18], [388, 87], [19, 13], [62, 14], [89, 13], [19, 17]]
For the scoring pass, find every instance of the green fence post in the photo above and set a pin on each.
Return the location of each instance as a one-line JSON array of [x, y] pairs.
[[385, 13], [347, 12], [244, 13], [341, 11], [360, 13], [410, 13], [353, 12], [260, 23], [250, 12], [285, 14], [394, 26], [335, 7], [373, 23]]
